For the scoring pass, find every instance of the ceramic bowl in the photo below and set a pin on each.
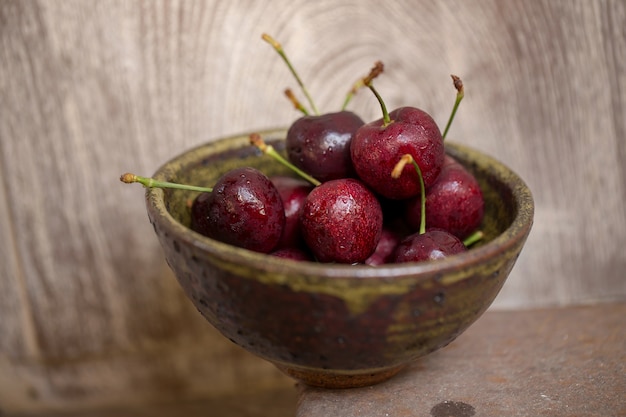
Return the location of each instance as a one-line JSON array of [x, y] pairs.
[[331, 325]]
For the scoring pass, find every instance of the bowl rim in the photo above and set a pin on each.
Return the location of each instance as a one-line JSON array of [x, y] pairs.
[[515, 234]]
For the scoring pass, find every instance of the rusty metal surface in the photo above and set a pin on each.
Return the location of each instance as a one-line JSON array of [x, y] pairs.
[[553, 362]]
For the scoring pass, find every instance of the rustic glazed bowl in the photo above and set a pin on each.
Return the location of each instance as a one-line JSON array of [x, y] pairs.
[[330, 325]]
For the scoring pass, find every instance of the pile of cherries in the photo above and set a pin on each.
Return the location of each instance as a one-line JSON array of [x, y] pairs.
[[365, 193]]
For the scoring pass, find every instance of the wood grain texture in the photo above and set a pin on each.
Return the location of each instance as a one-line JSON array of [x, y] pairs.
[[89, 90]]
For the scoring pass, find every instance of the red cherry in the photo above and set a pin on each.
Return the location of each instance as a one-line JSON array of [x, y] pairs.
[[293, 193], [320, 144], [341, 221], [377, 147], [387, 243], [244, 209], [432, 245], [454, 202]]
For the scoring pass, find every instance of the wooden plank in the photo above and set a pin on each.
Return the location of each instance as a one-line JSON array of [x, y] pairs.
[[16, 325]]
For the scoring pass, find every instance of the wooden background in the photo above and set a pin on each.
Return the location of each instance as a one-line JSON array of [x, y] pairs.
[[90, 314]]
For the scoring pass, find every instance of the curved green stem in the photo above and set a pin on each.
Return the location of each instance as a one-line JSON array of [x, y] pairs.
[[386, 119], [367, 81], [152, 183], [279, 49], [422, 197], [256, 140], [296, 103], [458, 84], [359, 84], [397, 171], [473, 238]]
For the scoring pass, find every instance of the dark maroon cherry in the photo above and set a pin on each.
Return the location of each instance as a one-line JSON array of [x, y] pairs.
[[293, 192], [320, 144], [432, 245], [341, 221], [377, 147], [454, 202], [244, 209], [387, 243], [426, 244]]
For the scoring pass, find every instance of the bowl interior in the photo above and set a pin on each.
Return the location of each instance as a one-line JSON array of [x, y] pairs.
[[508, 204]]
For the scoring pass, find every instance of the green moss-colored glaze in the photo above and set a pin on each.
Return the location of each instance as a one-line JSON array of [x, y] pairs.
[[336, 325]]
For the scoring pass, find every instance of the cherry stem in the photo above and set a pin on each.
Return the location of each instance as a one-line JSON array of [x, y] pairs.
[[279, 49], [458, 84], [473, 238], [129, 178], [256, 140], [362, 82], [296, 103], [397, 171], [367, 81], [355, 87]]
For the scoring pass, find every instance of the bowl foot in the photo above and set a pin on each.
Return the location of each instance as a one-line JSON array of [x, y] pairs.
[[338, 379]]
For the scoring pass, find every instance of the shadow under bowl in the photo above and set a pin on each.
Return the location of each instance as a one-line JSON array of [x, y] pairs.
[[330, 325]]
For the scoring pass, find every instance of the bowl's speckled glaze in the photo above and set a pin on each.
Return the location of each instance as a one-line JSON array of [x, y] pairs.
[[331, 325]]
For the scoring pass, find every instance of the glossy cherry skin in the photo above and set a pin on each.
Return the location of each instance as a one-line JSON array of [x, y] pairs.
[[454, 202], [389, 240], [320, 145], [341, 221], [432, 245], [293, 192], [244, 209], [376, 149]]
